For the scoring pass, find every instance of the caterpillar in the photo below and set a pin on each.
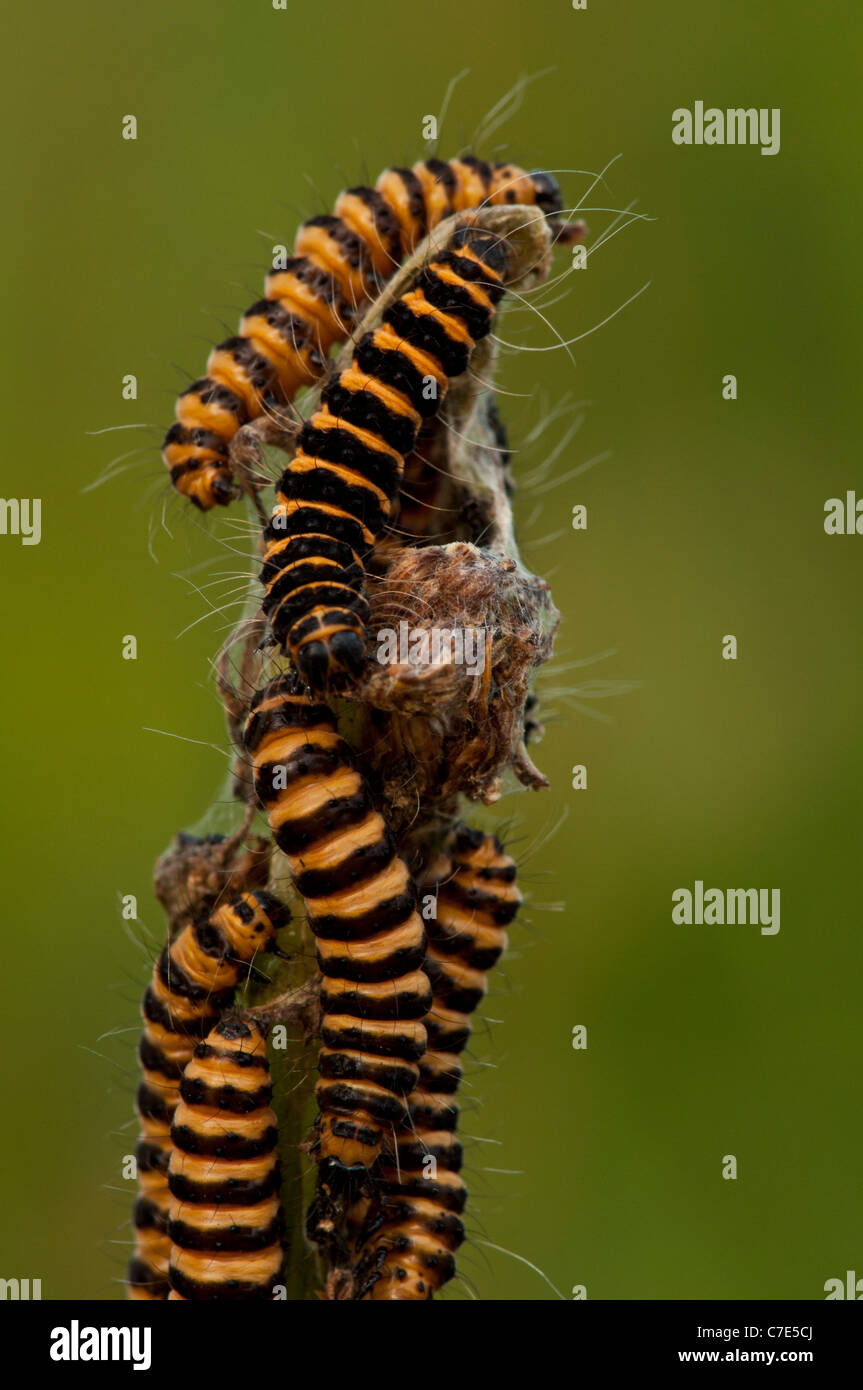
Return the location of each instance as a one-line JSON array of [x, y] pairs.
[[338, 492], [413, 1236], [193, 980], [339, 266], [361, 907], [225, 1223], [434, 505]]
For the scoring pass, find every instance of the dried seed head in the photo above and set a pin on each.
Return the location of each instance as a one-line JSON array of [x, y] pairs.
[[457, 632]]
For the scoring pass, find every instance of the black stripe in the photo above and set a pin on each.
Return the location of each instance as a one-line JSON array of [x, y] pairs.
[[295, 608], [289, 713], [360, 864], [452, 995], [416, 200], [319, 281], [152, 1058], [343, 447], [491, 250], [151, 1157], [381, 916], [448, 1156], [236, 1289], [259, 370], [146, 1216], [446, 1037], [239, 1192], [480, 167], [197, 438], [175, 979], [144, 1276], [439, 1080], [152, 1104], [231, 1028], [389, 966], [325, 486], [546, 192], [385, 220], [430, 1114], [296, 332], [232, 1238], [475, 272], [426, 333], [309, 547], [348, 1096], [395, 369], [340, 1066], [212, 393], [500, 910], [309, 760], [449, 1198], [445, 176], [349, 244], [367, 411], [358, 1038], [454, 299], [310, 519], [444, 1224], [405, 1005], [225, 1144], [299, 575], [160, 1013], [378, 921], [195, 1091], [296, 835]]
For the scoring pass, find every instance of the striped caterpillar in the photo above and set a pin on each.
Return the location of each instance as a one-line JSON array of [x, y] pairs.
[[193, 980], [340, 265], [411, 1238], [361, 906], [225, 1222], [336, 495]]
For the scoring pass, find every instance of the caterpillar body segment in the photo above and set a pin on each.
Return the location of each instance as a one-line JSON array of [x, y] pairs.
[[410, 1243], [315, 299], [193, 980], [225, 1222], [340, 491], [361, 906]]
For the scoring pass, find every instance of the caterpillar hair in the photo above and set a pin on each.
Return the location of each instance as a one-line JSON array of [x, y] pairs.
[[312, 302], [412, 1237], [225, 1223], [193, 980], [361, 906], [337, 494]]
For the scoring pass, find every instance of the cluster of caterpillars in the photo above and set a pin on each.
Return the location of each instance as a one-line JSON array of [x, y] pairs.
[[393, 511]]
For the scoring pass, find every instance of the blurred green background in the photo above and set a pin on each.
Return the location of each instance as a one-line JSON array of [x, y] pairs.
[[707, 519]]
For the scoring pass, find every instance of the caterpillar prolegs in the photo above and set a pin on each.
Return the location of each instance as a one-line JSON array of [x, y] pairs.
[[315, 299]]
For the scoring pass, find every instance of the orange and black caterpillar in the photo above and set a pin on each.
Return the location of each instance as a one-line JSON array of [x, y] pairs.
[[411, 1238], [338, 492], [340, 265], [361, 906], [193, 980], [225, 1223]]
